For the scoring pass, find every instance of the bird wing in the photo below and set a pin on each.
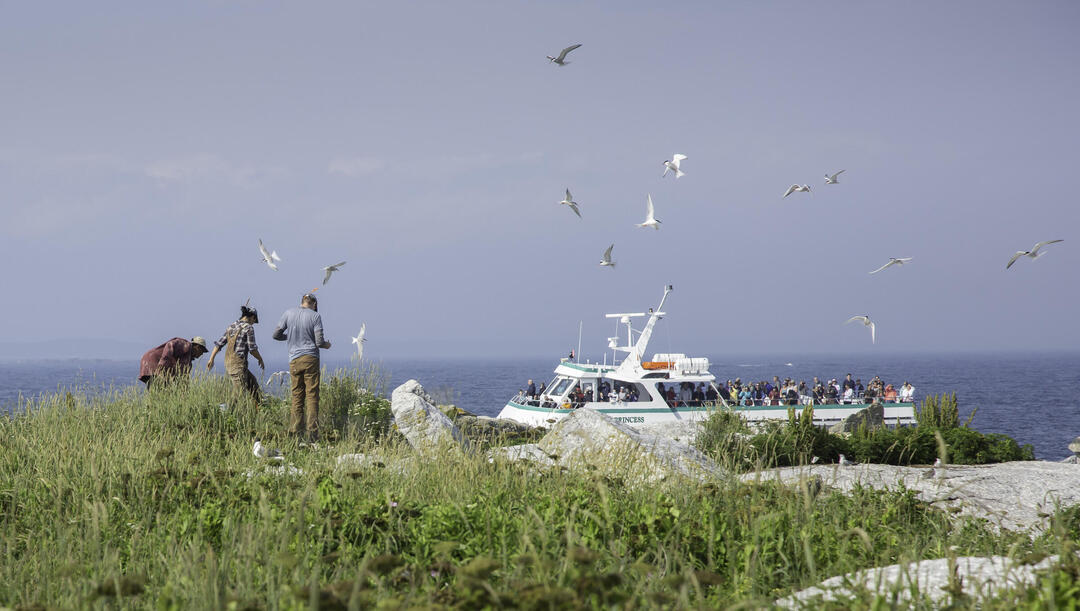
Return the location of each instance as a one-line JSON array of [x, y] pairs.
[[326, 278], [883, 267], [904, 259], [569, 198], [1041, 244], [677, 157], [262, 249], [274, 256], [573, 206], [562, 55], [667, 168], [337, 265], [862, 319], [651, 211], [1018, 254], [833, 177], [873, 333], [271, 265], [607, 253], [790, 190], [363, 330]]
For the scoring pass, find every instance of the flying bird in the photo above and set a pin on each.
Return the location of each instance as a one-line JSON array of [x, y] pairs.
[[673, 165], [561, 59], [268, 257], [892, 261], [569, 201], [650, 217], [833, 180], [606, 261], [1031, 254], [794, 188], [330, 269], [262, 451], [278, 376], [359, 341], [866, 321]]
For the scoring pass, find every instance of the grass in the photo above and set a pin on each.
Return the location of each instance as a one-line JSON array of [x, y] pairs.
[[136, 500]]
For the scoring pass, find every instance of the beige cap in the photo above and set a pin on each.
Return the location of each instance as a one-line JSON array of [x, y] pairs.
[[200, 341]]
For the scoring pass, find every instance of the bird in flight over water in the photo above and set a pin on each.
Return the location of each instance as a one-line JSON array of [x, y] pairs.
[[561, 59], [1031, 254]]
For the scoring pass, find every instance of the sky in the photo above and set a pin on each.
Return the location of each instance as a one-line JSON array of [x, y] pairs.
[[146, 147]]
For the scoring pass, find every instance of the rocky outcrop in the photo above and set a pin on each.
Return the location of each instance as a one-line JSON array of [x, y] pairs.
[[683, 431], [525, 452], [1013, 495], [978, 577], [427, 429], [588, 439], [872, 417]]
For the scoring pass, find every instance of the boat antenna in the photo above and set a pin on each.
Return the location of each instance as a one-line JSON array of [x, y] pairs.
[[580, 326]]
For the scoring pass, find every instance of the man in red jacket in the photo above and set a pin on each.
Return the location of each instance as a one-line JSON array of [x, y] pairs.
[[170, 360]]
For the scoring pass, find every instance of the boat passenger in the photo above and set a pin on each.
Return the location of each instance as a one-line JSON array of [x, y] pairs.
[[848, 383], [806, 396], [530, 390], [712, 394], [672, 400], [745, 398], [907, 392], [860, 390], [890, 394], [686, 393], [792, 395], [849, 395], [831, 395], [774, 396]]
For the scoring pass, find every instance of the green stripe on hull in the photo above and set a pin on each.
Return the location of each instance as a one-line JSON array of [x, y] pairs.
[[687, 410]]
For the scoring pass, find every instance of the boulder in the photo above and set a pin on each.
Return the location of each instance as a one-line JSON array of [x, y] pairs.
[[355, 463], [526, 452], [427, 429], [683, 431], [872, 417], [588, 439], [1018, 496], [933, 578]]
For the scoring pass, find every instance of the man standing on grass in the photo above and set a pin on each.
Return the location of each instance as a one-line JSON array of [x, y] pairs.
[[303, 329]]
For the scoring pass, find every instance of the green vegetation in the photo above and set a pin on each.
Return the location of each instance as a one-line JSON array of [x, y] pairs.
[[728, 439], [134, 500]]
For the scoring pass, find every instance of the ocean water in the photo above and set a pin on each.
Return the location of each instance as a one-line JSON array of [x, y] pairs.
[[1034, 398]]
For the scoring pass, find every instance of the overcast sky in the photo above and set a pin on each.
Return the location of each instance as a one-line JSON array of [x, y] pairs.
[[145, 147]]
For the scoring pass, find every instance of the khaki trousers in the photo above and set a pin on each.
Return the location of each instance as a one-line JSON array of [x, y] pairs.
[[304, 414]]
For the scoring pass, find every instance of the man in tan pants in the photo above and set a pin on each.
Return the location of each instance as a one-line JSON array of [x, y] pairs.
[[302, 328], [238, 342]]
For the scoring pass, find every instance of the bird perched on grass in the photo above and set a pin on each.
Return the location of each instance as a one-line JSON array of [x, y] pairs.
[[673, 165], [262, 451], [650, 216], [866, 321], [561, 59], [330, 269], [833, 180], [268, 257], [606, 261], [798, 189], [1031, 254], [569, 201], [359, 341], [892, 261]]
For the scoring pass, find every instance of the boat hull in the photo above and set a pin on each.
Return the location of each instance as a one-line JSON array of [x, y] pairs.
[[640, 414]]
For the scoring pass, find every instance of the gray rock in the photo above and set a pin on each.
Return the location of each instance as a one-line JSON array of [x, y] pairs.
[[683, 431], [427, 429], [1017, 496], [1074, 446], [354, 463], [526, 452], [872, 417], [977, 576], [482, 424], [588, 439], [1072, 460]]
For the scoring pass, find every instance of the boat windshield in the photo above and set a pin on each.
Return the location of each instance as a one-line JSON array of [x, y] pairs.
[[559, 387]]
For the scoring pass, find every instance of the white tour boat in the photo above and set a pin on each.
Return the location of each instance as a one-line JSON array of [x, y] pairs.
[[636, 391]]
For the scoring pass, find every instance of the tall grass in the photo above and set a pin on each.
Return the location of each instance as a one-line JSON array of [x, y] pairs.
[[155, 500]]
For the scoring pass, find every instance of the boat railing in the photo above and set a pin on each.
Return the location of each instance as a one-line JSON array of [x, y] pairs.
[[805, 400]]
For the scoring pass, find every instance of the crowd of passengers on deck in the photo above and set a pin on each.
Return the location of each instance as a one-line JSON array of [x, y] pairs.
[[762, 393]]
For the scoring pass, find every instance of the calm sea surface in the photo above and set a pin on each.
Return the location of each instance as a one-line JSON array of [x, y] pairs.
[[1032, 398]]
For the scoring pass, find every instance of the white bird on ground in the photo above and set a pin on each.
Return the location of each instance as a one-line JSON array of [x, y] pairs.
[[937, 462], [268, 257], [797, 188], [1031, 254], [814, 460], [844, 461], [650, 216], [833, 180], [278, 376], [606, 261], [359, 341], [561, 59], [673, 165], [893, 261], [262, 451], [866, 321], [569, 201], [330, 269]]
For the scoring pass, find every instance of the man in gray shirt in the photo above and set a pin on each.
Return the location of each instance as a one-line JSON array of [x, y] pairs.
[[302, 327]]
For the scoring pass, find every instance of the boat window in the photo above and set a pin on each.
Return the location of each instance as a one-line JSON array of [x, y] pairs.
[[629, 392], [559, 387]]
